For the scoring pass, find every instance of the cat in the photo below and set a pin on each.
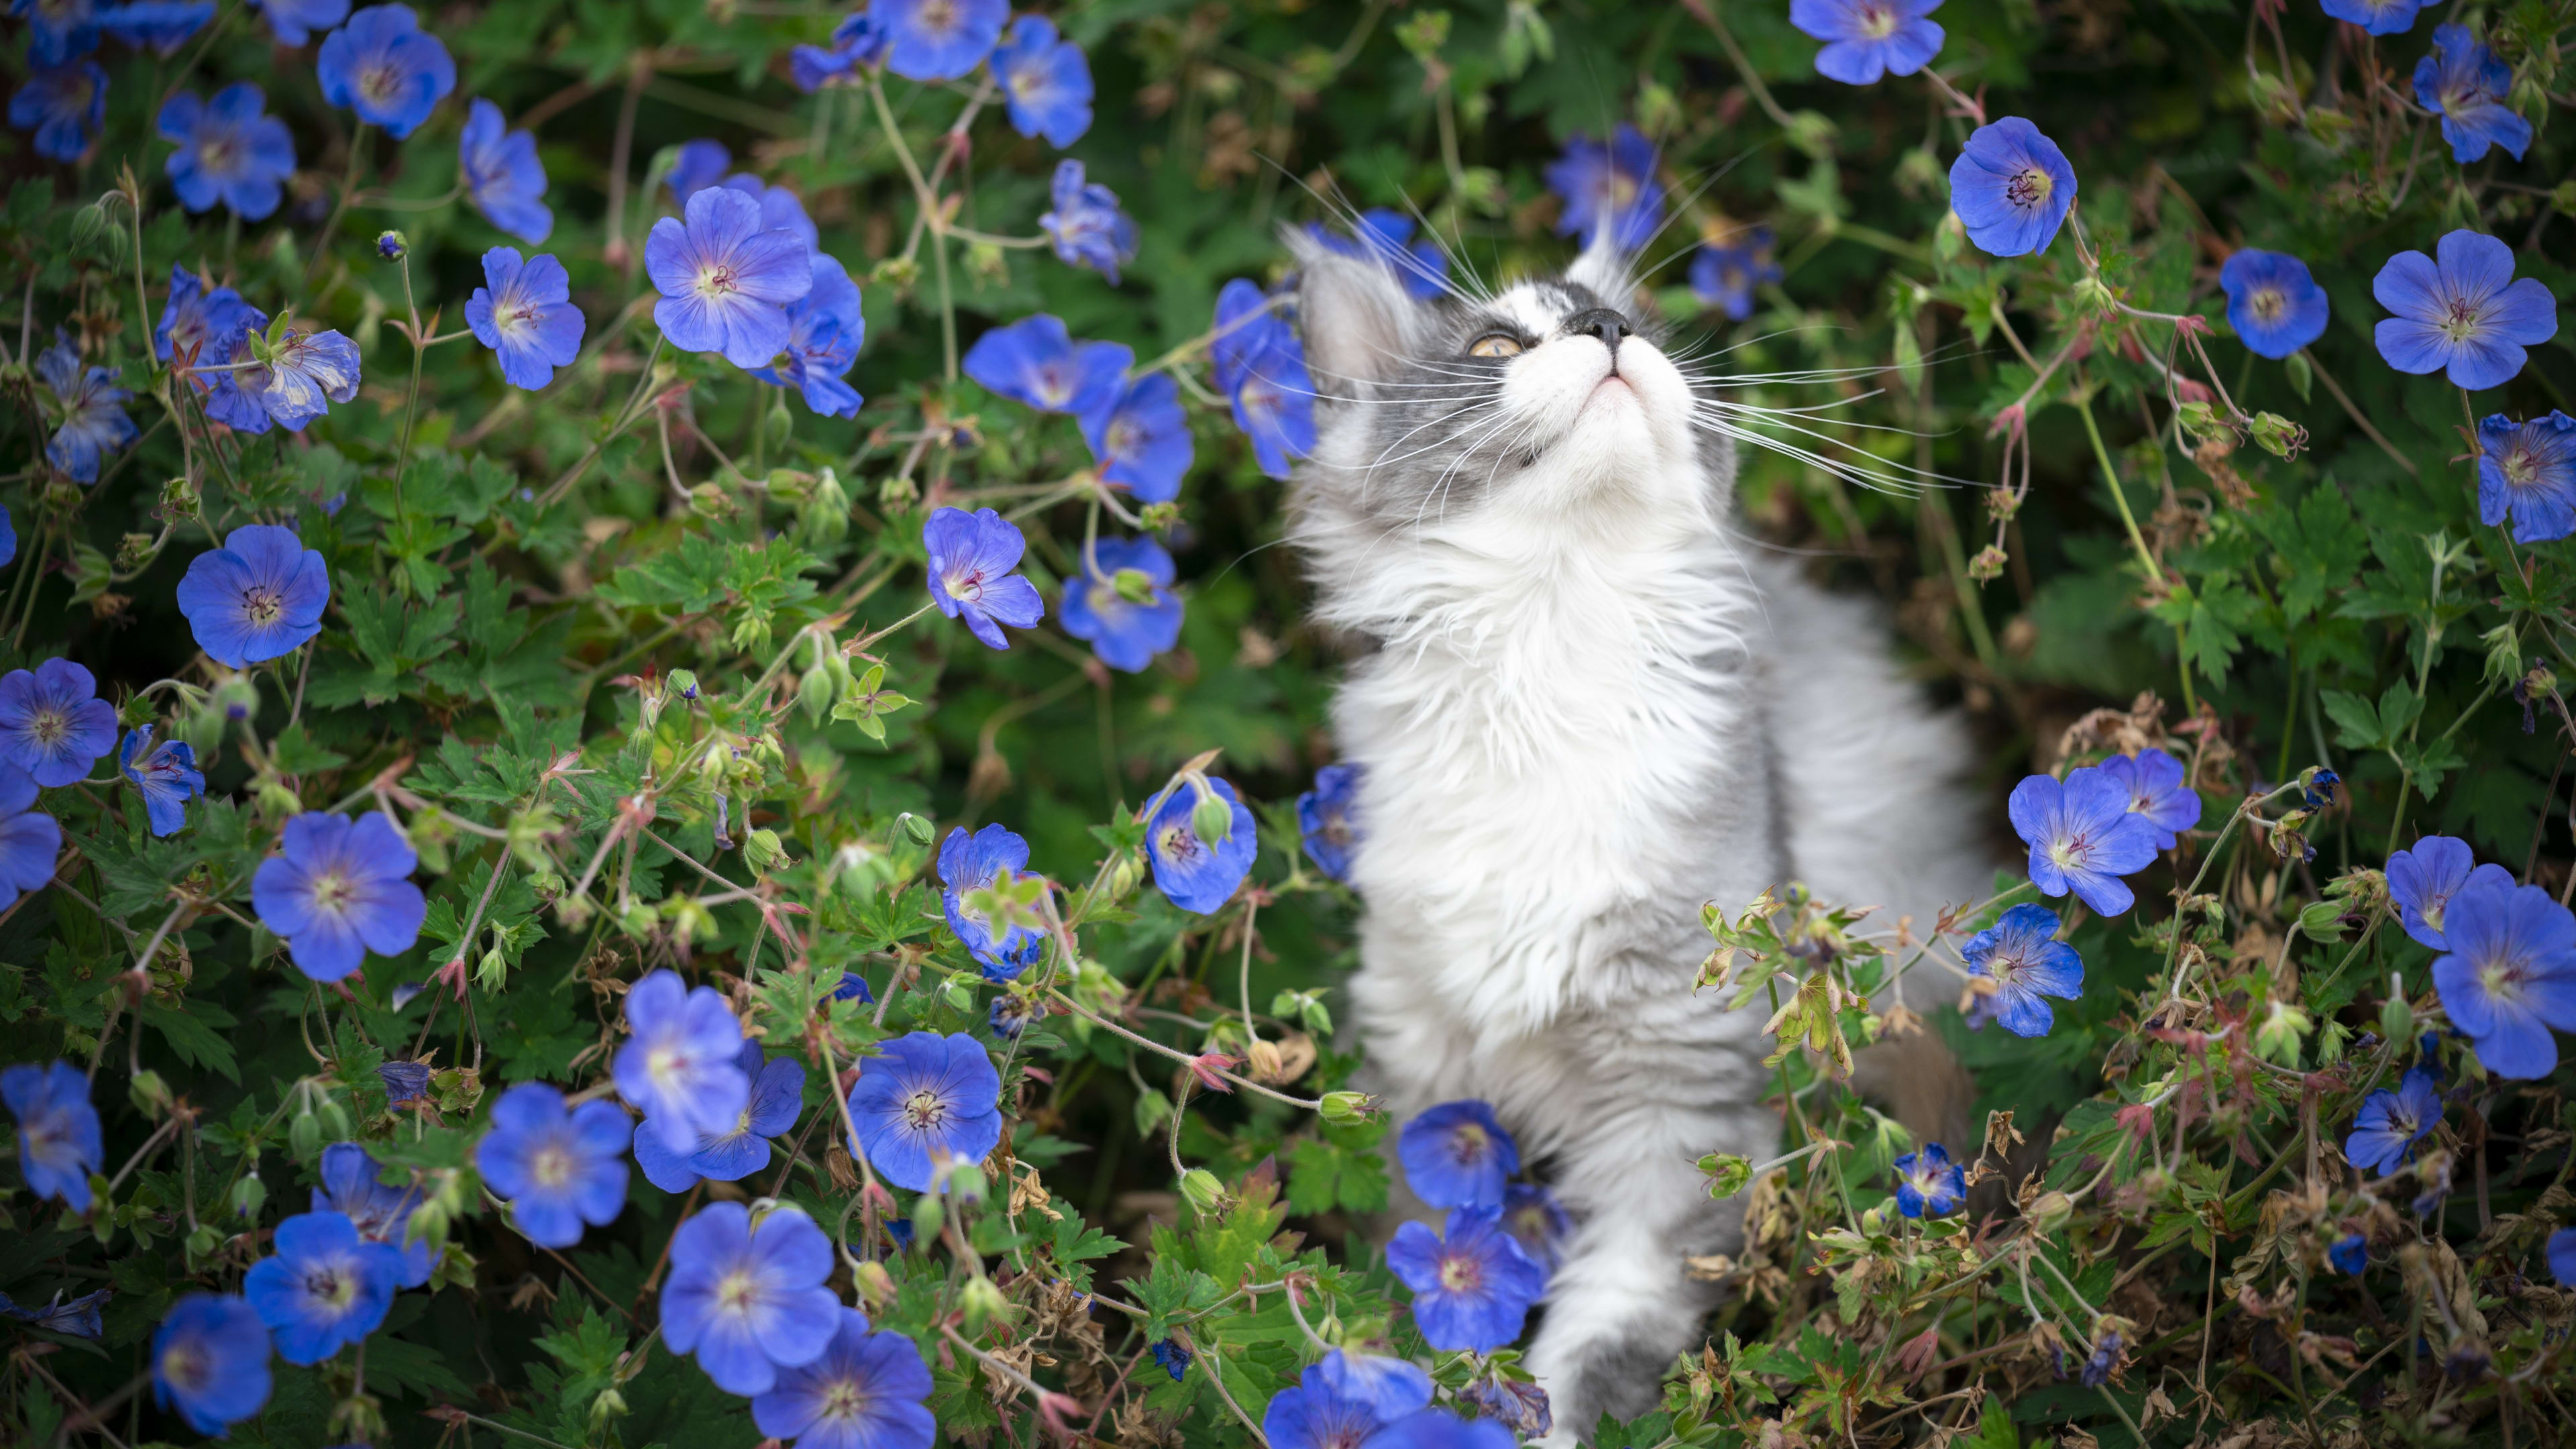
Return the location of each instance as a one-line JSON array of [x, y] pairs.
[[1582, 705]]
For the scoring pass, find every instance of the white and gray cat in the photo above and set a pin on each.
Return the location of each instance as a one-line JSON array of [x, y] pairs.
[[1584, 707]]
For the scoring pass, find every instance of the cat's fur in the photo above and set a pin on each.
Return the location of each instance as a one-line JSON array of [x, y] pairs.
[[1586, 706]]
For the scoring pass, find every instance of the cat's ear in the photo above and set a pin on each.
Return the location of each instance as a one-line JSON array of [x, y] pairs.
[[1603, 270], [1361, 326]]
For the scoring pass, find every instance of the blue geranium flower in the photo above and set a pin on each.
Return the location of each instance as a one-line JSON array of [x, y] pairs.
[[1608, 188], [865, 1391], [824, 330], [353, 1184], [1865, 39], [1174, 1360], [257, 598], [525, 314], [1473, 1287], [2379, 17], [1086, 226], [92, 408], [858, 41], [2390, 1123], [1273, 394], [166, 775], [159, 26], [294, 22], [2083, 837], [1328, 820], [338, 889], [853, 985], [53, 725], [2528, 470], [780, 209], [2158, 793], [935, 40], [210, 1361], [726, 277], [2350, 1254], [748, 1298], [503, 177], [699, 165], [1142, 440], [777, 1093], [1458, 1155], [926, 1100], [2509, 975], [58, 1136], [383, 66], [1726, 276], [1195, 874], [63, 106], [1928, 1183], [1245, 326], [404, 1082], [2562, 1257], [1387, 236], [970, 863], [1036, 362], [971, 558], [196, 317], [2464, 84], [286, 385], [2465, 316], [1046, 82], [1011, 1014], [1337, 1404], [680, 1065], [1538, 1222], [2272, 302], [558, 1168], [1123, 602], [58, 30], [2021, 954], [324, 1288], [2011, 188], [79, 1318], [2422, 881]]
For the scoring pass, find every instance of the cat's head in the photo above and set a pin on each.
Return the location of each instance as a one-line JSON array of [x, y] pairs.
[[1549, 399]]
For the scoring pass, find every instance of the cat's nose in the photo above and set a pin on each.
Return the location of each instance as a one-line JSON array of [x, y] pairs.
[[1601, 322]]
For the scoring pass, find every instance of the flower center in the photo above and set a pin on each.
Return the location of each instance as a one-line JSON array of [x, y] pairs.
[[1877, 22], [2268, 304], [181, 1364], [2029, 188], [2502, 981], [939, 15], [738, 1291], [261, 604], [1104, 599], [381, 83], [1124, 437], [2521, 468], [50, 727], [551, 1167], [717, 282], [1468, 1143], [1180, 844], [667, 1065], [215, 155], [333, 891], [2067, 851], [330, 1290], [2462, 320], [523, 317], [966, 587], [924, 1110], [1461, 1274]]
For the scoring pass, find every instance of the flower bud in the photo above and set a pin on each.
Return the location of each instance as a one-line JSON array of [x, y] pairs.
[[1727, 1174], [492, 973], [149, 1093], [1212, 819], [958, 994], [778, 424], [1133, 586], [921, 831], [304, 1136], [391, 246], [762, 851], [1124, 876], [983, 1301], [276, 801], [202, 1244], [1201, 1187], [249, 1195], [2396, 1019], [1344, 1107], [683, 684], [608, 1406], [2322, 921], [814, 691], [638, 919], [926, 1217], [875, 1284], [2049, 1211]]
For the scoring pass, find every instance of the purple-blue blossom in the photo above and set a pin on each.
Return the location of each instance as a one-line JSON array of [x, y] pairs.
[[1122, 602], [1046, 82], [558, 1167], [210, 1361], [680, 1064], [284, 384], [503, 177], [2423, 879], [2509, 975], [2158, 792], [383, 66], [725, 277], [2465, 315], [294, 22], [2379, 17], [1608, 188], [324, 1287], [31, 841], [1328, 820], [90, 409], [2390, 1123], [1142, 440], [337, 889], [166, 775], [924, 1101], [525, 314], [1472, 1286], [1085, 224], [53, 725], [159, 26], [1536, 1221], [2083, 837], [1928, 1183], [2021, 955], [972, 557], [1387, 236], [2011, 188], [257, 598], [864, 1391], [936, 40], [777, 1092], [2465, 84], [1197, 874], [780, 208], [749, 1298], [1035, 361], [1458, 1154], [1865, 39], [2528, 470], [696, 166], [63, 106], [196, 316], [970, 863], [2273, 303], [58, 1132], [1725, 277], [353, 1184], [824, 330], [1338, 1403]]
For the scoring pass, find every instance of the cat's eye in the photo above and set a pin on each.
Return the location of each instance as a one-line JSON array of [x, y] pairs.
[[1495, 344]]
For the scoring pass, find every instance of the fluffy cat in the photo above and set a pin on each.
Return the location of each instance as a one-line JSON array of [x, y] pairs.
[[1583, 707]]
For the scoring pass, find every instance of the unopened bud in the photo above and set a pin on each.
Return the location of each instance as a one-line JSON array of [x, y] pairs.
[[1212, 819], [150, 1094], [814, 692], [875, 1284], [761, 850], [921, 831], [1344, 1107], [249, 1196], [983, 1302], [1201, 1187], [304, 1135], [683, 684], [492, 973], [391, 246], [2049, 1211]]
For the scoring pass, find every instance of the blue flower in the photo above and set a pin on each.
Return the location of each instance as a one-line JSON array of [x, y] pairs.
[[2423, 880], [1174, 1360], [2390, 1123], [2158, 793], [2350, 1254], [1610, 188], [1245, 327], [526, 315], [865, 1391], [53, 725], [8, 537], [926, 1100], [287, 385], [58, 1137], [824, 330], [1195, 874], [94, 423], [1046, 82], [353, 1184], [1508, 1404], [1928, 1183], [2083, 837], [294, 22], [30, 840], [2379, 17], [2466, 315], [699, 165], [167, 776], [2097, 1368], [780, 210], [1473, 1288], [1346, 1401], [934, 40], [195, 318], [2011, 188], [748, 1298], [777, 1094], [1036, 362], [2272, 302], [1865, 39], [812, 67], [160, 26], [1142, 440], [79, 1318], [971, 558], [1458, 1155], [338, 889], [1086, 225], [1328, 820], [725, 278], [853, 985], [1536, 1221], [2509, 975], [557, 1168], [969, 863], [1011, 1014], [2021, 954], [1387, 235], [405, 1082], [2464, 84], [259, 597], [324, 1288], [1273, 394], [210, 1361], [1126, 634], [863, 35], [2562, 1257], [503, 177], [58, 30], [383, 66], [1726, 276], [2528, 470], [680, 1066], [63, 106]]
